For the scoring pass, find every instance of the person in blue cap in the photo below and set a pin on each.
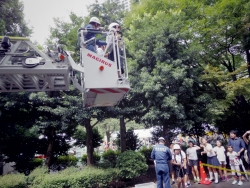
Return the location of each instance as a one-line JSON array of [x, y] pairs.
[[161, 155]]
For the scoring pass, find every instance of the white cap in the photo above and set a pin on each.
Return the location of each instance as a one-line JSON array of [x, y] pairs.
[[177, 146], [95, 19], [112, 25], [161, 138]]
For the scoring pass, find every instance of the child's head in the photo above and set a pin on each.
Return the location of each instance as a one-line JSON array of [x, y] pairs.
[[190, 143], [171, 146], [204, 140], [177, 149], [229, 148], [218, 143]]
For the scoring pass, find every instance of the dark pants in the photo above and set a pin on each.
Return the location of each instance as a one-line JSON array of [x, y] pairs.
[[111, 57], [162, 175]]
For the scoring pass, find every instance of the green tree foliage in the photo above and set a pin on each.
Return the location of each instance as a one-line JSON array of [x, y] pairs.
[[109, 11], [132, 141], [19, 141], [80, 137], [12, 18], [65, 34], [174, 95], [56, 113], [131, 164]]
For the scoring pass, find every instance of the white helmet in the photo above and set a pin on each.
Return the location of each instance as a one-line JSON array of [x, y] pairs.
[[177, 146], [161, 138], [95, 19], [112, 25]]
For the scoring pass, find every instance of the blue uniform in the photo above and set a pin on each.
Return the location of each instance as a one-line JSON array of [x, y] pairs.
[[88, 36], [161, 154]]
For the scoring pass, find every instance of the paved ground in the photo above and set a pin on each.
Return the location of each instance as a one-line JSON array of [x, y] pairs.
[[227, 184], [221, 185]]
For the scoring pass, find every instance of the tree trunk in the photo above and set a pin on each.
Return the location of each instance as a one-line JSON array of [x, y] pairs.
[[89, 142], [108, 135], [165, 135], [122, 135], [248, 61], [51, 139]]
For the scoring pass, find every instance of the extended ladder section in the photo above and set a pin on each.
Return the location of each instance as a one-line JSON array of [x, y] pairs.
[[23, 67]]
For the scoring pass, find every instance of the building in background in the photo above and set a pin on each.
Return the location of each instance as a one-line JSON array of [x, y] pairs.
[[126, 4]]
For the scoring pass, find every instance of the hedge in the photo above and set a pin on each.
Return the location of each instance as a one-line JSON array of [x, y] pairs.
[[75, 178], [13, 181]]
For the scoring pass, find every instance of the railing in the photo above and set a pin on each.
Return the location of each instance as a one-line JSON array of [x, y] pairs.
[[118, 48]]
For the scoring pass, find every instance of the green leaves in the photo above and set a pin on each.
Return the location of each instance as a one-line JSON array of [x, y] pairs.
[[12, 19], [131, 164]]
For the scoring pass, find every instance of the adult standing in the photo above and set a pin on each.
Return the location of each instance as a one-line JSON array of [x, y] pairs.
[[237, 143], [211, 160], [161, 154], [238, 146], [246, 138]]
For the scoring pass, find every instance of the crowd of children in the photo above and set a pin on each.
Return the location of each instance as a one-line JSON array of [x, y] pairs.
[[185, 162]]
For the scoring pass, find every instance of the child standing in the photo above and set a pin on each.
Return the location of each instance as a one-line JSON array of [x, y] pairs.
[[234, 164], [179, 165], [171, 168], [192, 159], [220, 152], [211, 160]]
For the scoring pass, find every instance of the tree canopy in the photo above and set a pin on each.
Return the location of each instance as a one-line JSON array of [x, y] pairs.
[[12, 19]]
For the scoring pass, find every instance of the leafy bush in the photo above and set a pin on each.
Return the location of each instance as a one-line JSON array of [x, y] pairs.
[[75, 178], [131, 164], [67, 160], [36, 174], [13, 181], [146, 152], [96, 156], [37, 162], [132, 140], [109, 157]]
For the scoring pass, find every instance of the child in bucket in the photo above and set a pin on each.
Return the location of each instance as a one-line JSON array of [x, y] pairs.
[[179, 165], [220, 152], [234, 164]]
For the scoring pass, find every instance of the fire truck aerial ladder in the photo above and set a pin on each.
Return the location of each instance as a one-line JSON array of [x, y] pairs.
[[23, 67]]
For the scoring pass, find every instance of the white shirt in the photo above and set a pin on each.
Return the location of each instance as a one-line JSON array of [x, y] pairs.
[[179, 157], [100, 51], [192, 154], [209, 153], [220, 151], [233, 158]]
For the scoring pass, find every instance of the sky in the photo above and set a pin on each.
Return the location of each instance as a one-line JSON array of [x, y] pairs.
[[40, 13]]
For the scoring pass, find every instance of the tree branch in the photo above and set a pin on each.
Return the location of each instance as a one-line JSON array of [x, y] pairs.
[[95, 124]]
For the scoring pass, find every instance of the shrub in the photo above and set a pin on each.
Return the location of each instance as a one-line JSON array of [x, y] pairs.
[[131, 164], [132, 140], [36, 174], [109, 158], [13, 181], [146, 152], [96, 156], [75, 178], [67, 160], [37, 162]]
